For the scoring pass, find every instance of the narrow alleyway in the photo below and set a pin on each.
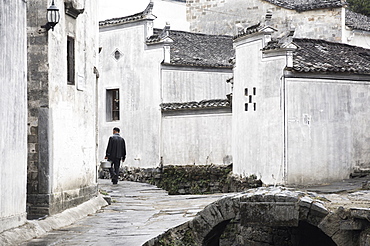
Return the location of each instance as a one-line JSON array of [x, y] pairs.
[[138, 213]]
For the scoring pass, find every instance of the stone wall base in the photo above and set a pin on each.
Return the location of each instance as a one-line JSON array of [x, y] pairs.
[[50, 204], [190, 179]]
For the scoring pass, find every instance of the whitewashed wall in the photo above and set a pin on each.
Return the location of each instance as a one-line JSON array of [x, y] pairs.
[[13, 112], [198, 138], [137, 76], [328, 129], [186, 85], [72, 123], [357, 38], [195, 137], [304, 131], [258, 137]]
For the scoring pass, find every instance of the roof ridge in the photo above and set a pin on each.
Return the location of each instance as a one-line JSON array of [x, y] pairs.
[[196, 105], [195, 33], [305, 5], [138, 16], [357, 20], [330, 42], [317, 55]]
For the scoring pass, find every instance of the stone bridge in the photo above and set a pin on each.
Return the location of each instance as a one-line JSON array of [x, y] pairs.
[[277, 216]]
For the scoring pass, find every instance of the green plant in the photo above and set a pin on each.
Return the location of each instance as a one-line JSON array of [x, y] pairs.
[[103, 192], [360, 6]]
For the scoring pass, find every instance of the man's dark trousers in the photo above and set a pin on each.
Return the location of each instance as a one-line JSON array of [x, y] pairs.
[[114, 170]]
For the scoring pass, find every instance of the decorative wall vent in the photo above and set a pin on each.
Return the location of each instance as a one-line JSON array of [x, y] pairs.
[[306, 119], [250, 104], [117, 54]]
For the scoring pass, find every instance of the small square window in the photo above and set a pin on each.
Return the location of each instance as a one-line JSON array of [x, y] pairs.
[[113, 105]]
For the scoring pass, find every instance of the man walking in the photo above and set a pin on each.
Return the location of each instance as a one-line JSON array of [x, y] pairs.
[[116, 151]]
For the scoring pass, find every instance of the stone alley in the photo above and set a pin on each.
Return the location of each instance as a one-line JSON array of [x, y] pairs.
[[138, 212]]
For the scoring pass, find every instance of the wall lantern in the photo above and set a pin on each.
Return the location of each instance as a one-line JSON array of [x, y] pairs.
[[52, 17]]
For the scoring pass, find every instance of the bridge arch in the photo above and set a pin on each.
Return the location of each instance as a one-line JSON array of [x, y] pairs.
[[279, 210]]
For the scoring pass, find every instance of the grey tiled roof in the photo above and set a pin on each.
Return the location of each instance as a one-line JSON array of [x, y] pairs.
[[304, 5], [323, 56], [357, 21], [205, 104], [249, 30], [196, 49], [135, 17], [273, 45]]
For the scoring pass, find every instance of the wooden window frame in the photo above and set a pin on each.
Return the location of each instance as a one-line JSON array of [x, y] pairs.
[[113, 105], [71, 80]]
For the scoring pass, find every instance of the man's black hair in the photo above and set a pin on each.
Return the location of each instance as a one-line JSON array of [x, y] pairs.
[[116, 129]]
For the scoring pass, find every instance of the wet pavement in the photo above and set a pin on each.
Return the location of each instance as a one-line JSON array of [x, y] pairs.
[[138, 212]]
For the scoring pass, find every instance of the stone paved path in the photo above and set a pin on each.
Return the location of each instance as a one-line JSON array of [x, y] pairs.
[[139, 212]]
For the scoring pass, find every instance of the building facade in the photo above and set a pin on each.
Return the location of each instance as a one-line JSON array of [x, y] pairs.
[[13, 110], [151, 76], [299, 108], [62, 131], [196, 113], [129, 87]]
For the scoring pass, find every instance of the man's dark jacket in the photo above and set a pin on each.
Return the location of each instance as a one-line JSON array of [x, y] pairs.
[[116, 148]]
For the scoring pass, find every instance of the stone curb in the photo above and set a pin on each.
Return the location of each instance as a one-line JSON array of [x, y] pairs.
[[37, 228]]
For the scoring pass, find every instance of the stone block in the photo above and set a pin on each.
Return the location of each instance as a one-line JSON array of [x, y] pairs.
[[319, 208], [200, 228], [303, 213], [365, 238], [269, 214], [346, 238], [32, 139], [269, 198], [305, 202], [360, 213], [283, 197], [228, 208], [212, 215], [330, 224], [352, 225]]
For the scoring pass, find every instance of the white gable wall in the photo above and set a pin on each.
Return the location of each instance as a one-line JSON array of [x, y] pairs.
[[137, 75], [357, 38], [327, 129], [258, 136], [305, 130]]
